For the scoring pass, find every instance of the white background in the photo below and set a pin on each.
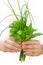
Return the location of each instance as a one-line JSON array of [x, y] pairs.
[[36, 8]]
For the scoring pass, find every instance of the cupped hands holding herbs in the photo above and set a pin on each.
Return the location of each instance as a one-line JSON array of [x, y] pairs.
[[19, 31], [30, 47]]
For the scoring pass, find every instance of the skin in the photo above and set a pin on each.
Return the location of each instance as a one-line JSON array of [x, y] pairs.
[[9, 45], [30, 47]]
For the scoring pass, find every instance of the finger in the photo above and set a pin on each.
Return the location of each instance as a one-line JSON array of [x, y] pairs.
[[28, 53], [15, 42], [12, 43], [34, 54], [30, 50], [10, 38], [5, 46], [29, 46], [31, 42], [10, 50], [7, 49], [9, 46], [31, 54]]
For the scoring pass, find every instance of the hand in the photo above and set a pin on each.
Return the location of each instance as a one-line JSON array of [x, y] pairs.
[[9, 45], [32, 47]]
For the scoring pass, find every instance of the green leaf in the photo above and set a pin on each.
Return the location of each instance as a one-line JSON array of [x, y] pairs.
[[36, 34], [17, 37], [27, 37]]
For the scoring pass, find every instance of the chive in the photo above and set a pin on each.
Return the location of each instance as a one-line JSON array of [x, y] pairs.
[[3, 30], [6, 17], [19, 8], [12, 10]]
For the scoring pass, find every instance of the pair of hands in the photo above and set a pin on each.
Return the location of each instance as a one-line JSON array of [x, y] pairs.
[[30, 47]]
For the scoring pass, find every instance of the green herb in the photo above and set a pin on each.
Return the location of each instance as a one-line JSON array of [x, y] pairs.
[[21, 32], [18, 28]]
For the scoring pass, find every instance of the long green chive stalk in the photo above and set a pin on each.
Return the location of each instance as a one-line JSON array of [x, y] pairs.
[[18, 28], [6, 17], [11, 8], [19, 8], [4, 30]]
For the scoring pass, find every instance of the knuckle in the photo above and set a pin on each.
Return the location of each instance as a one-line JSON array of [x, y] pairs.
[[10, 46]]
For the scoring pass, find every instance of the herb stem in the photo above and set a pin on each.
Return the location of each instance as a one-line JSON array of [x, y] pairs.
[[19, 8], [3, 30], [12, 10], [6, 17]]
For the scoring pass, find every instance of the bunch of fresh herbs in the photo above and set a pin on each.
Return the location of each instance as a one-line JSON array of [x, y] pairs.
[[18, 28]]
